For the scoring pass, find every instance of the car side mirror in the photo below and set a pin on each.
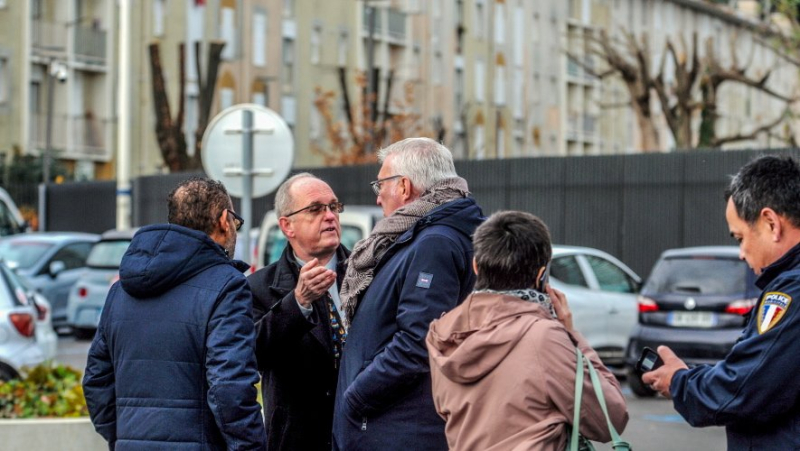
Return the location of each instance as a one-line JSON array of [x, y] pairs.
[[56, 268]]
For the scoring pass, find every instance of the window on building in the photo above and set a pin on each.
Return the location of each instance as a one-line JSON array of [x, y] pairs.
[[288, 8], [480, 147], [438, 67], [260, 98], [194, 33], [517, 94], [480, 18], [519, 37], [458, 91], [342, 49], [259, 39], [226, 98], [4, 80], [158, 17], [480, 80], [500, 23], [316, 43], [228, 32], [288, 63]]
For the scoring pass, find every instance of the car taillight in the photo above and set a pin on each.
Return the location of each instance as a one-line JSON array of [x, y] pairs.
[[24, 323], [82, 292], [646, 304], [741, 307]]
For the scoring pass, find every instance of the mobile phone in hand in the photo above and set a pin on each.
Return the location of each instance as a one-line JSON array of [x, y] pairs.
[[648, 361]]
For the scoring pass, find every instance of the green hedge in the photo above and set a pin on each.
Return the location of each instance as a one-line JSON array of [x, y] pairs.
[[44, 391]]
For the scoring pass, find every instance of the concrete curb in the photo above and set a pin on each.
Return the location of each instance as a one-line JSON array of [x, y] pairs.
[[48, 434]]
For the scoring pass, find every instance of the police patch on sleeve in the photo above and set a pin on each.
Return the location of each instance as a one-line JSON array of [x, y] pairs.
[[772, 309]]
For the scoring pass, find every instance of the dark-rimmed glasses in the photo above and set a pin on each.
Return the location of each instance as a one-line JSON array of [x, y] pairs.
[[314, 209], [376, 184], [238, 221]]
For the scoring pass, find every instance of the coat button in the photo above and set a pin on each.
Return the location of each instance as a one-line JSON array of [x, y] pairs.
[[328, 394]]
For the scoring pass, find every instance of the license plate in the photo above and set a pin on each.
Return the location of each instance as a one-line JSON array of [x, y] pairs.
[[692, 319]]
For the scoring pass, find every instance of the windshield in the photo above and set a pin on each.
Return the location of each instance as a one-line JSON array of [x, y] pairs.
[[23, 254], [107, 254], [699, 275]]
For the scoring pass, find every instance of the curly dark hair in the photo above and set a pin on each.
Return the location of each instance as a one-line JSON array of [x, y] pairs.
[[769, 181], [510, 249], [197, 203]]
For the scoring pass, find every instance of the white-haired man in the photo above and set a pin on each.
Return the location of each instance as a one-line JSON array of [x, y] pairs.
[[414, 266]]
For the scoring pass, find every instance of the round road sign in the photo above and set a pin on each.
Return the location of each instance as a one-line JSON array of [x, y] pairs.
[[223, 149]]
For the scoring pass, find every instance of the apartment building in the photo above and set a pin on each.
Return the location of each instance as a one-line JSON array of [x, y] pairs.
[[489, 77], [57, 81]]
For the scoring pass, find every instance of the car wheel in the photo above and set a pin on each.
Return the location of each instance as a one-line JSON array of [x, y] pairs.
[[7, 373], [638, 387], [82, 333]]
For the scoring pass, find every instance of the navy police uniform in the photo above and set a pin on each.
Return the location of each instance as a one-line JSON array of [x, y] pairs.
[[755, 391]]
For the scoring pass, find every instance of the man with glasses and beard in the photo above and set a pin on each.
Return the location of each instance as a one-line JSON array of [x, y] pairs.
[[172, 363], [299, 330]]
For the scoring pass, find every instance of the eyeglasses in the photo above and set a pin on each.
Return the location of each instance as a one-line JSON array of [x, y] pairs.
[[314, 209], [376, 185], [238, 221]]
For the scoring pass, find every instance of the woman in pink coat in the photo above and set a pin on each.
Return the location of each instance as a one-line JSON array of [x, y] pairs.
[[503, 362]]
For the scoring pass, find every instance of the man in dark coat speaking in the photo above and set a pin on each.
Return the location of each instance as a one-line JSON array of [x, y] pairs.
[[299, 330], [172, 363]]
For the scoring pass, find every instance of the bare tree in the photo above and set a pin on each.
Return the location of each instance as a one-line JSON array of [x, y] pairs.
[[169, 131], [691, 87]]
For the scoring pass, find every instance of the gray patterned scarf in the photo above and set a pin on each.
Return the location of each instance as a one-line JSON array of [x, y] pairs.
[[527, 294], [369, 251]]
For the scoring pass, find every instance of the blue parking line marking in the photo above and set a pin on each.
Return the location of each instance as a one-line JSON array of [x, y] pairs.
[[673, 418]]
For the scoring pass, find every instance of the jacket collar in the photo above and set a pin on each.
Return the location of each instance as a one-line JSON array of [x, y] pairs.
[[461, 214], [788, 261]]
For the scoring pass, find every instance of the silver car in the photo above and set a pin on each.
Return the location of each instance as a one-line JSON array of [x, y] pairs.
[[601, 292], [88, 295], [18, 323], [49, 263]]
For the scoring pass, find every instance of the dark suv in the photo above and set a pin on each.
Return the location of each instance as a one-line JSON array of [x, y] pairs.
[[696, 301]]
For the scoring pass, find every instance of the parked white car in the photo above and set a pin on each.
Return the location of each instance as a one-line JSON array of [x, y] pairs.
[[601, 291], [21, 342]]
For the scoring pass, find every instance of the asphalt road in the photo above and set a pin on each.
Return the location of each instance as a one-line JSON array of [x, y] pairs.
[[654, 425]]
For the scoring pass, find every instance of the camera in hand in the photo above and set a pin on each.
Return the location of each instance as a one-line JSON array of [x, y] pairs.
[[648, 361]]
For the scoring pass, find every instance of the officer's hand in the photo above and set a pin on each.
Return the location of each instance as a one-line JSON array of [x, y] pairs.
[[661, 378], [313, 283], [559, 301]]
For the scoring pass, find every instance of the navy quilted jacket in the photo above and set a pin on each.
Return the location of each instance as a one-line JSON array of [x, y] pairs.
[[172, 365]]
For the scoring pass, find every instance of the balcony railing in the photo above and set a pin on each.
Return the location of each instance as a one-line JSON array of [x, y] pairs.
[[378, 24], [49, 36], [72, 136], [397, 24], [90, 44]]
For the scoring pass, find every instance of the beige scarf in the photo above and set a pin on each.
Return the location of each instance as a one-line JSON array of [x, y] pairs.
[[369, 251]]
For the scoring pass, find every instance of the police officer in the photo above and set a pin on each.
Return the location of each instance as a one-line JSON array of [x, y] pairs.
[[754, 392]]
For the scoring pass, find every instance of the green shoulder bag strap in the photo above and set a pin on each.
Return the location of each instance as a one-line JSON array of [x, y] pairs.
[[616, 441]]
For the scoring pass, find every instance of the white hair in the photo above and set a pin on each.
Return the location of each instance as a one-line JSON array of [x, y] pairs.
[[424, 161]]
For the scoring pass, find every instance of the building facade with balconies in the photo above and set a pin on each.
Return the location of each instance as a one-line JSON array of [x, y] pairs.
[[58, 73]]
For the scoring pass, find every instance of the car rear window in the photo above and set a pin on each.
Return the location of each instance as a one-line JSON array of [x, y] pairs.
[[699, 275], [107, 254], [13, 291], [23, 254]]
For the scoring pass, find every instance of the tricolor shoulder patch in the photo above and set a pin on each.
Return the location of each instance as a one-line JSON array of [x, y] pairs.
[[773, 306]]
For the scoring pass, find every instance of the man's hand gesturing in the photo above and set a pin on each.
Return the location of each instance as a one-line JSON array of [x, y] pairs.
[[313, 283]]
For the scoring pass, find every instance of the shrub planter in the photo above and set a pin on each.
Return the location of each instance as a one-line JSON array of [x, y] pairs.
[[48, 434]]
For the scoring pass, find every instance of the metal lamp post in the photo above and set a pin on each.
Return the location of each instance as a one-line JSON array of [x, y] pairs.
[[55, 70]]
